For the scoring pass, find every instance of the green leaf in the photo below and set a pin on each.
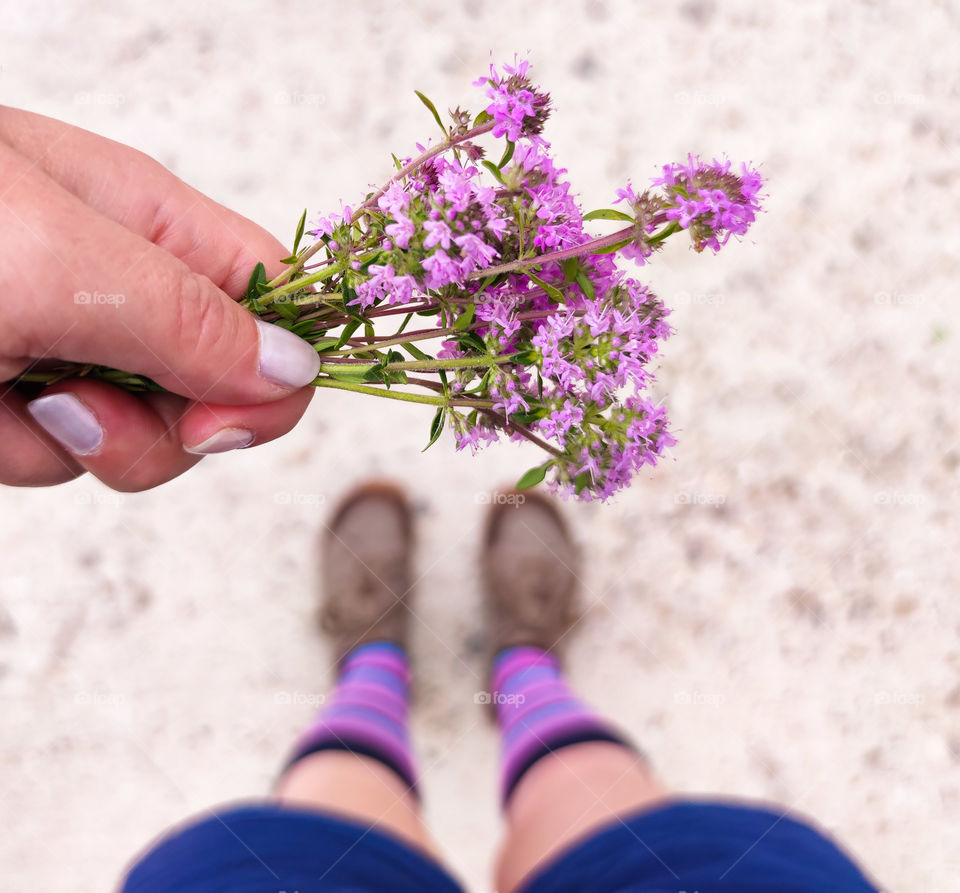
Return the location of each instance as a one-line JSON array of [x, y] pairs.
[[415, 352], [380, 373], [490, 166], [433, 110], [533, 477], [403, 325], [289, 260], [396, 161], [482, 118], [356, 377], [608, 214], [481, 385], [527, 418], [258, 276], [347, 332], [525, 357], [286, 310], [552, 291], [325, 344], [586, 286], [304, 328], [299, 235], [570, 267], [610, 249], [507, 155], [471, 341], [465, 319], [582, 481], [436, 427]]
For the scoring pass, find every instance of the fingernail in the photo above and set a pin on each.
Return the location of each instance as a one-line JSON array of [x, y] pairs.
[[223, 441], [285, 358], [68, 422]]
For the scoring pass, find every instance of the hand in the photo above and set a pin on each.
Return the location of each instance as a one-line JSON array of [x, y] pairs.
[[107, 258]]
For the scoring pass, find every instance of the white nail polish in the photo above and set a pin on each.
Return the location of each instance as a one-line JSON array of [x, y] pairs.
[[223, 441], [285, 358], [69, 422]]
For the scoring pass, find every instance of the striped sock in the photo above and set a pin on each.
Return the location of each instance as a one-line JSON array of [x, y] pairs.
[[538, 713], [367, 713]]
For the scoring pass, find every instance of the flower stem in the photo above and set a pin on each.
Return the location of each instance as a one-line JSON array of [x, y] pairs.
[[418, 365], [523, 431], [408, 169], [378, 392], [556, 256], [367, 343], [405, 396]]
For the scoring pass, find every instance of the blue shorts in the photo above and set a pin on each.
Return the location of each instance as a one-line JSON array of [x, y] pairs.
[[687, 846]]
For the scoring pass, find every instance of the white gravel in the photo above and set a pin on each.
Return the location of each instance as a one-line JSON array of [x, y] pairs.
[[772, 613]]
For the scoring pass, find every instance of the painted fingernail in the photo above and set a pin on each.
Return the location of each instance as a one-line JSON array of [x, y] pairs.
[[223, 441], [285, 358], [68, 422]]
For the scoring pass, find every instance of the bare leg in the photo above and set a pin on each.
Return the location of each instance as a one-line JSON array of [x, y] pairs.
[[552, 799], [566, 796], [357, 788], [366, 582]]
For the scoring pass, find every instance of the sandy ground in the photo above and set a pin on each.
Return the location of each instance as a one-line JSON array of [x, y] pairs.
[[772, 613]]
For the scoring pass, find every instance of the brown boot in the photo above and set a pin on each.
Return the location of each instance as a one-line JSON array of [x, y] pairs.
[[530, 566], [366, 575]]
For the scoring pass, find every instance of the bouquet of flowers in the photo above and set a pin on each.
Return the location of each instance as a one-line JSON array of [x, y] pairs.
[[537, 334]]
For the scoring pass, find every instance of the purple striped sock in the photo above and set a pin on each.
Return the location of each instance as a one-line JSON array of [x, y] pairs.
[[538, 713], [367, 713]]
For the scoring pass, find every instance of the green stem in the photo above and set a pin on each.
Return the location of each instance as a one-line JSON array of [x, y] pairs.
[[405, 396], [418, 365], [422, 335], [378, 392], [267, 299]]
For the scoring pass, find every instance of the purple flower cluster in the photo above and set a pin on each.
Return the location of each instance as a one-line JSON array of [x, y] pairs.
[[439, 226], [708, 199], [517, 107], [544, 337]]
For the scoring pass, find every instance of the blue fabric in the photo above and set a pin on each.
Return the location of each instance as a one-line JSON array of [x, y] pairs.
[[269, 849], [702, 847], [687, 846]]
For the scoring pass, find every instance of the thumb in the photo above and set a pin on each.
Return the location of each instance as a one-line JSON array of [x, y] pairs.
[[116, 299]]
